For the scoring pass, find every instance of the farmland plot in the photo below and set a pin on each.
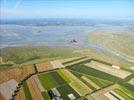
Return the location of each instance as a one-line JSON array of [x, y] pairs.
[[107, 69], [47, 81], [131, 81], [100, 93], [98, 81], [39, 83], [57, 64], [45, 96], [66, 90], [20, 95], [90, 82], [76, 62], [13, 73], [78, 85], [27, 70], [34, 90], [27, 92], [1, 97], [64, 75], [45, 66], [51, 80], [7, 88], [69, 59], [93, 72]]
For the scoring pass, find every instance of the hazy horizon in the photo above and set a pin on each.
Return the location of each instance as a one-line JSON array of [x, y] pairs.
[[77, 9]]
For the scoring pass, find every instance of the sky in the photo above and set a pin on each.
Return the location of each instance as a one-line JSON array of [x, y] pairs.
[[100, 9]]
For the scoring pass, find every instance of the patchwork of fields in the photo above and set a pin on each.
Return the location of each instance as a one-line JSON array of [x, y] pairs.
[[76, 78]]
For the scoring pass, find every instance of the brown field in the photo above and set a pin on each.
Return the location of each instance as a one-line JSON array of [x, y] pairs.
[[56, 64], [27, 70], [34, 90], [20, 95], [44, 66], [39, 83], [1, 97], [90, 97], [7, 88], [101, 92], [14, 73], [108, 69]]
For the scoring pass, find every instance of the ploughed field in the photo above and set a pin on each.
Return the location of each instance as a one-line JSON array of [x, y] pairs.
[[76, 78]]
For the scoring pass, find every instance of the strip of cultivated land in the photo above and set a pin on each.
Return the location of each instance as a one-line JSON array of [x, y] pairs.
[[57, 64], [93, 72], [17, 73], [7, 88], [69, 60], [66, 90], [34, 90], [90, 82], [108, 69], [98, 81], [78, 85], [27, 92], [20, 95], [76, 62], [123, 92], [44, 66], [100, 94], [131, 81], [51, 80]]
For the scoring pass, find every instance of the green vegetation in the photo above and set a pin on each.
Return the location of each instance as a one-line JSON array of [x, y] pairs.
[[90, 71], [23, 54], [57, 78], [119, 42], [74, 60], [66, 90], [121, 93], [45, 96], [51, 80], [62, 73], [26, 91], [82, 88], [100, 82], [6, 65], [47, 81]]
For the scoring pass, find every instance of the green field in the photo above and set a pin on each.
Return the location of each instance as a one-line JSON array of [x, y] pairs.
[[74, 60], [47, 81], [63, 74], [90, 71], [51, 80], [23, 54], [100, 82], [45, 96], [65, 90], [26, 91]]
